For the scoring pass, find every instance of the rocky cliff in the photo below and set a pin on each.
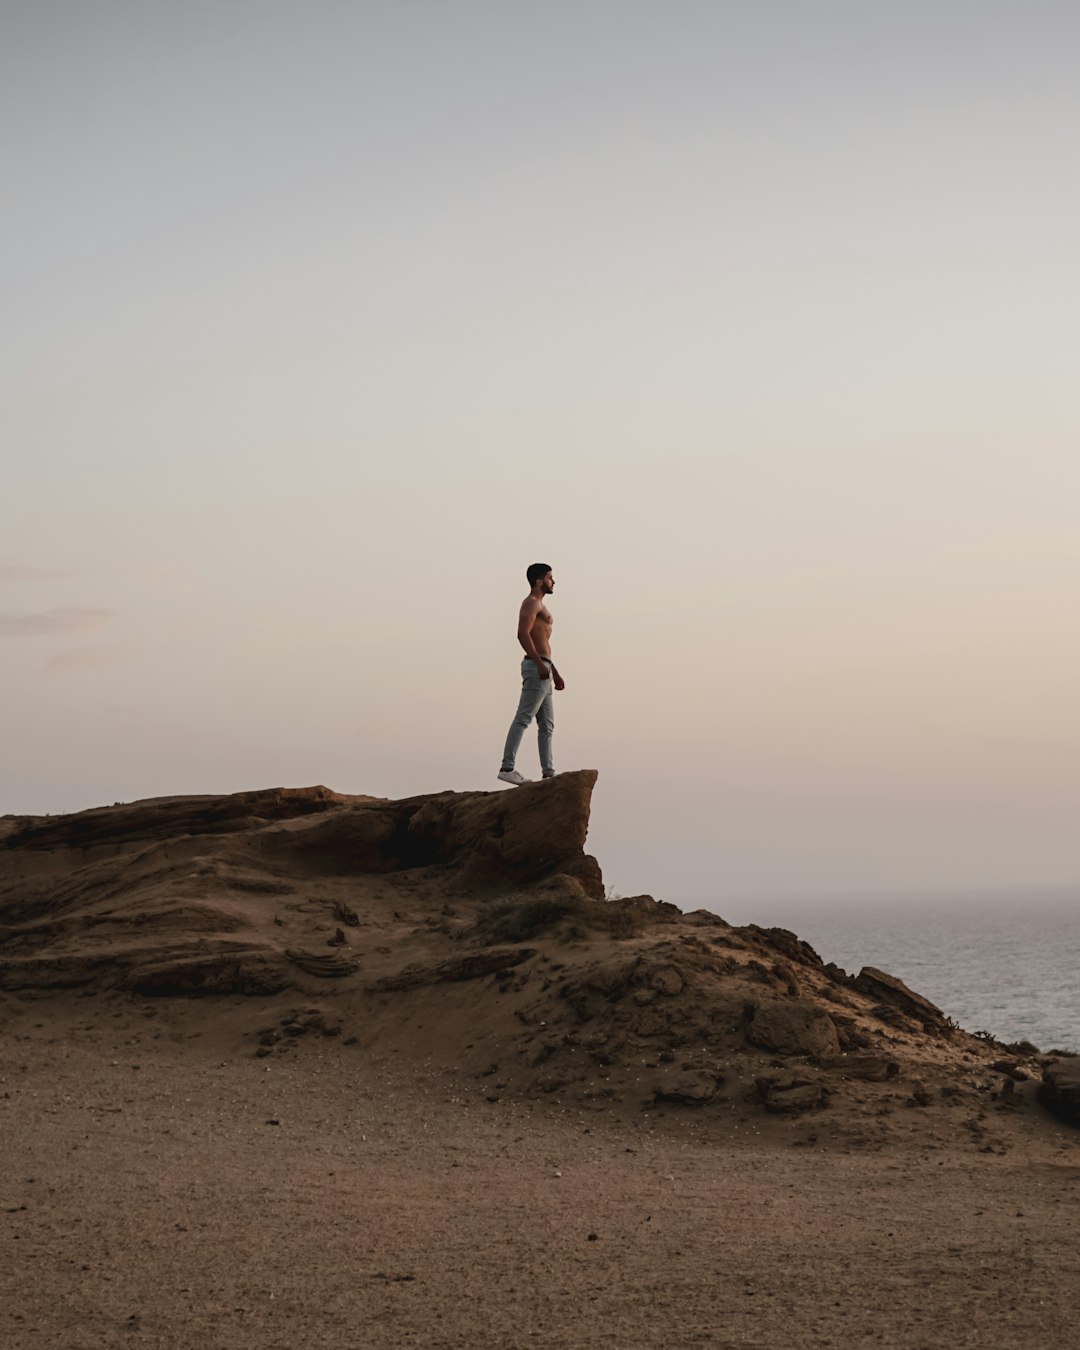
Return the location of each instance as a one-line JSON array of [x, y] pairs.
[[470, 929]]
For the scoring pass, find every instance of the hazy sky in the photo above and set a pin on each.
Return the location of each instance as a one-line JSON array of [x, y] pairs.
[[320, 321]]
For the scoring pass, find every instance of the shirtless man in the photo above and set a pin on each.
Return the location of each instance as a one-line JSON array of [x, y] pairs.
[[538, 676]]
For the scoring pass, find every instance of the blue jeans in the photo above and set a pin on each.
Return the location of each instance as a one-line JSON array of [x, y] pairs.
[[537, 700]]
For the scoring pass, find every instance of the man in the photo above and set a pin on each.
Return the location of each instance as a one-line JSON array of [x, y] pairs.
[[538, 676]]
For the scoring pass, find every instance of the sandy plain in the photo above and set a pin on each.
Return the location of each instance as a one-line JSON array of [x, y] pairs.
[[165, 1186]]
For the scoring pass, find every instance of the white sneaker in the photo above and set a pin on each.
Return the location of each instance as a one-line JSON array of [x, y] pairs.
[[512, 776]]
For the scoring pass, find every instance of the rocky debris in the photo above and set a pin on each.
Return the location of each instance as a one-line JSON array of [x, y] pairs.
[[891, 993], [643, 995], [852, 1035], [788, 1093], [1059, 1091], [651, 1020], [346, 915], [792, 1027], [295, 1023]]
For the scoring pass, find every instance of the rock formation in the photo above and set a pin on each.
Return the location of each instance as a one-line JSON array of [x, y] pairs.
[[1060, 1090], [471, 929]]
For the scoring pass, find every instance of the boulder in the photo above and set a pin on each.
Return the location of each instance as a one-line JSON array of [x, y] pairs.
[[687, 1087], [794, 1026], [667, 980], [613, 977], [1059, 1091], [893, 993]]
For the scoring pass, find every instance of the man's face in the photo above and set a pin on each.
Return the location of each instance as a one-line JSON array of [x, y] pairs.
[[548, 583]]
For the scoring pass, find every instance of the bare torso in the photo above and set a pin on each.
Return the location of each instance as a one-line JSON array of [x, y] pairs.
[[540, 631]]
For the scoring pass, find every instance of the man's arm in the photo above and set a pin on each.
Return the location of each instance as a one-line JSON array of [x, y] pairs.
[[530, 608]]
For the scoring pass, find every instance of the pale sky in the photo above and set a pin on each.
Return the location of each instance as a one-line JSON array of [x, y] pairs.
[[321, 321]]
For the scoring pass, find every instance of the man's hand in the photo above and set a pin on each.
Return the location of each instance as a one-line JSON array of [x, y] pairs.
[[541, 669], [560, 683]]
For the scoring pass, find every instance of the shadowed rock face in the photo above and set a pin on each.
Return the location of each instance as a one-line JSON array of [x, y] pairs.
[[526, 834], [1060, 1089]]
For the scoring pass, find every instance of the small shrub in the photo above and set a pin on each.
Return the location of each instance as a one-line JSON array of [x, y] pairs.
[[521, 916], [516, 918]]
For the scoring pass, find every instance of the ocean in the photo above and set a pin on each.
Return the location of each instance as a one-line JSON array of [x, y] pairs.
[[1009, 968]]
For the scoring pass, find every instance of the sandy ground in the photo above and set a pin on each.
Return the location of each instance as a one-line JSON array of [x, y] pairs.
[[162, 1186]]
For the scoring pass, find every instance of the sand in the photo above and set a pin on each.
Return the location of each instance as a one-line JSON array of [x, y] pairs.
[[165, 1186]]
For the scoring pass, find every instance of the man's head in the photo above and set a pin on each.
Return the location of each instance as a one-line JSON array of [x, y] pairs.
[[539, 574]]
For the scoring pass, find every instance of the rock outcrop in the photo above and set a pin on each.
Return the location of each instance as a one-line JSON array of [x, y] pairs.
[[470, 929], [485, 837], [894, 999], [1060, 1089], [183, 895]]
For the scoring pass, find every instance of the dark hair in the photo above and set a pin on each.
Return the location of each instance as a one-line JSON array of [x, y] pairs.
[[536, 571]]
